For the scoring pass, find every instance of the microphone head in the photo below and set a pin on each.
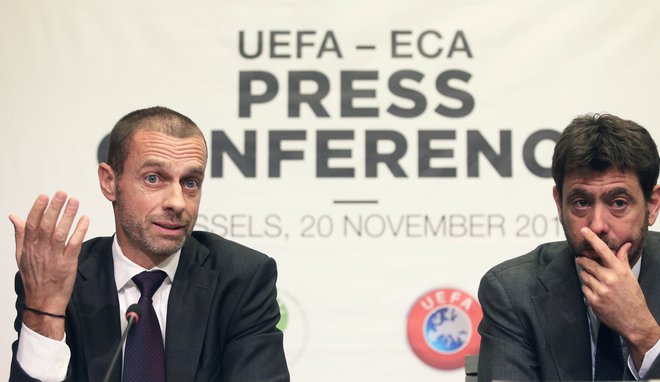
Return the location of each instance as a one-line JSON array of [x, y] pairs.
[[134, 311]]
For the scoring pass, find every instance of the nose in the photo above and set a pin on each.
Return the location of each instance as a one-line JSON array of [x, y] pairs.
[[174, 199], [599, 220]]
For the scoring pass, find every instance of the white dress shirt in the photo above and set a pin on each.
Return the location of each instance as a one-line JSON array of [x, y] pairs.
[[47, 359]]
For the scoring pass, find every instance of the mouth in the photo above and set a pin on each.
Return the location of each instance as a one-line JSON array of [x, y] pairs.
[[170, 228]]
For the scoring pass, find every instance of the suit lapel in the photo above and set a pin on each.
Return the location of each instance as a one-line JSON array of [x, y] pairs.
[[188, 312], [563, 316], [650, 284], [648, 274], [95, 299]]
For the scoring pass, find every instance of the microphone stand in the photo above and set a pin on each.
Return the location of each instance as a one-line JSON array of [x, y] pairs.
[[133, 315]]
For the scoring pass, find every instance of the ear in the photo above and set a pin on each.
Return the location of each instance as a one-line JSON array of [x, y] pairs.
[[557, 198], [108, 181], [653, 204]]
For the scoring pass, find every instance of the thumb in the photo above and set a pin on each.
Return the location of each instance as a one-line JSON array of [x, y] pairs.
[[19, 234], [622, 253]]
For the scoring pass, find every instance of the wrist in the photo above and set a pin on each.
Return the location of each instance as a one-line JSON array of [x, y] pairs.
[[643, 338], [47, 326], [44, 313]]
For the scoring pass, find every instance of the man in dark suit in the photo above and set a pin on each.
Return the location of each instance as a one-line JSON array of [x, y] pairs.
[[216, 307], [546, 313]]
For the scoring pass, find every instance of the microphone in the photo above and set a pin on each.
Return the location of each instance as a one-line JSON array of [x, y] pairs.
[[132, 316]]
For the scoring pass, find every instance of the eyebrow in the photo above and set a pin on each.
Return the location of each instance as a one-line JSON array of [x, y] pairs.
[[579, 192], [197, 170], [611, 194], [618, 191]]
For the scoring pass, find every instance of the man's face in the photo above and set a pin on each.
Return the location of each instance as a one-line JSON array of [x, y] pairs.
[[611, 204], [157, 197]]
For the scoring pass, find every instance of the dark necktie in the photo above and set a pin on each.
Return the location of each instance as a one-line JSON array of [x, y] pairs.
[[144, 357], [609, 359]]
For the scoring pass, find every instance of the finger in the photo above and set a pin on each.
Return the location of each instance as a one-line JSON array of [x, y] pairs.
[[589, 265], [49, 219], [588, 294], [64, 226], [588, 279], [623, 254], [593, 275], [75, 242], [600, 277], [34, 218], [602, 250], [19, 233]]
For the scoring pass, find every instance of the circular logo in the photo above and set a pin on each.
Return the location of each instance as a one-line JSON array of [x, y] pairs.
[[293, 323], [284, 316], [442, 328]]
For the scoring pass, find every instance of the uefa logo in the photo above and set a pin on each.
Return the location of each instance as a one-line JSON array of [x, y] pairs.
[[442, 328]]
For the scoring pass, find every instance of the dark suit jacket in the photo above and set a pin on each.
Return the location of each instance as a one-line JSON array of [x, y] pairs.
[[221, 315], [535, 324]]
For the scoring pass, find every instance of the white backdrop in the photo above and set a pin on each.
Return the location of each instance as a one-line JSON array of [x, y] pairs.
[[352, 275]]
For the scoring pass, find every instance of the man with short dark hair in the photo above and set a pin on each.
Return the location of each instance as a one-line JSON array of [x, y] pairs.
[[586, 308], [208, 305]]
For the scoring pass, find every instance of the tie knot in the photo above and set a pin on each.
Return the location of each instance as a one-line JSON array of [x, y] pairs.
[[149, 282]]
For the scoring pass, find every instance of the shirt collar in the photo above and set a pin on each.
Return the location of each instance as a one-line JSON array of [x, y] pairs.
[[636, 268], [125, 269]]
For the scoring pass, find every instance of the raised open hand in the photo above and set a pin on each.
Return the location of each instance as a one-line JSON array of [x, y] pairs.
[[46, 260]]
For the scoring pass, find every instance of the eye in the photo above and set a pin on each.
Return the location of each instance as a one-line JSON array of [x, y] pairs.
[[191, 183], [619, 204], [152, 178], [581, 203]]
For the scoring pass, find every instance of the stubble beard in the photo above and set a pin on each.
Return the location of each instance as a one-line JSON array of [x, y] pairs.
[[634, 253], [135, 230]]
